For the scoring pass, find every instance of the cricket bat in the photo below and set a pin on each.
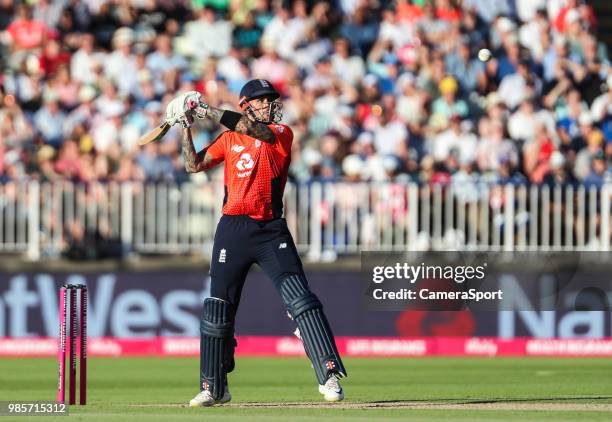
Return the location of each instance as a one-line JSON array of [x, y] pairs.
[[155, 134]]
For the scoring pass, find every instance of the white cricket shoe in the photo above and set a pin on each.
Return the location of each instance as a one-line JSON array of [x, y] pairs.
[[204, 399], [332, 390]]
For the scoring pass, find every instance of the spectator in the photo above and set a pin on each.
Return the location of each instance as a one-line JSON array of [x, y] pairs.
[[454, 141], [44, 164], [602, 106], [461, 64], [107, 129], [129, 171], [558, 173], [568, 125], [599, 173], [596, 68], [390, 134], [69, 163], [592, 139], [7, 11], [559, 56], [508, 61], [25, 32], [361, 29], [156, 167], [270, 66], [246, 36], [352, 167], [431, 27], [84, 113], [15, 129], [534, 33], [346, 66], [527, 10], [312, 49], [448, 104], [120, 66], [411, 102], [163, 60], [49, 12], [206, 36], [393, 31], [515, 87], [390, 87], [537, 153], [85, 61], [109, 101], [408, 11], [149, 89], [53, 56], [322, 78], [465, 182], [494, 149], [65, 88], [446, 11], [489, 9], [567, 14], [49, 120], [522, 123]]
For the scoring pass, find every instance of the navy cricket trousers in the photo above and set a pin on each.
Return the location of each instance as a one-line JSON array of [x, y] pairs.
[[240, 242]]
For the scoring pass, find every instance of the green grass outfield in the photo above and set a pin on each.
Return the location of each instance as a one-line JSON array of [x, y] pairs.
[[420, 389]]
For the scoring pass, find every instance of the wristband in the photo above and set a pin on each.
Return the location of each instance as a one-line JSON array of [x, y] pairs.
[[230, 119]]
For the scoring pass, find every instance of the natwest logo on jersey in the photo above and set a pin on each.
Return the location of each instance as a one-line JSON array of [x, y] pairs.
[[245, 163]]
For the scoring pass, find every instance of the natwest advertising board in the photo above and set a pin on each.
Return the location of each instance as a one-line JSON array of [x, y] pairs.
[[166, 304]]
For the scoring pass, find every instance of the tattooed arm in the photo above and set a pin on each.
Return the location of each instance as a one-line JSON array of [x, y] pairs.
[[189, 105], [194, 161], [242, 123]]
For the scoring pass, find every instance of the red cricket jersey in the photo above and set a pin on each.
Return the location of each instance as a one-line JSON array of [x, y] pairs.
[[255, 172]]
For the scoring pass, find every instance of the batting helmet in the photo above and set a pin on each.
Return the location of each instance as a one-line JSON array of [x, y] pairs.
[[259, 88], [256, 88]]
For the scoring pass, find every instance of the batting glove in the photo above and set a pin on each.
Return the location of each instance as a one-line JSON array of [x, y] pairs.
[[180, 109]]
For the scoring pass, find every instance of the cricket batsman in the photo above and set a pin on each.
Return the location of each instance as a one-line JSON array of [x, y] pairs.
[[256, 151]]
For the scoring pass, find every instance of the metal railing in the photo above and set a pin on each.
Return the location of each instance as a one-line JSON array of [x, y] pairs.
[[326, 219]]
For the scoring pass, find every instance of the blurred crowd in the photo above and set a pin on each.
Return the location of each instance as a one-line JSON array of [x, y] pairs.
[[431, 91]]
